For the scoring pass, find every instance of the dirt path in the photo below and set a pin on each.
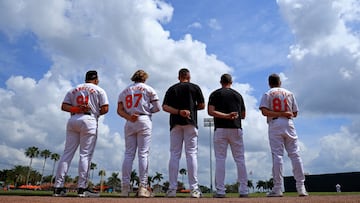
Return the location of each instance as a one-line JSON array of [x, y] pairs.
[[310, 199]]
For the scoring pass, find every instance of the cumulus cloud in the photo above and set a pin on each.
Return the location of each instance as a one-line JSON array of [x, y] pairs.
[[325, 65], [116, 38], [325, 48], [332, 150], [119, 37]]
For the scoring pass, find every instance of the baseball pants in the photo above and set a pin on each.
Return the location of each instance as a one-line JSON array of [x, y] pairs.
[[137, 137], [81, 131], [233, 137], [187, 134], [282, 136]]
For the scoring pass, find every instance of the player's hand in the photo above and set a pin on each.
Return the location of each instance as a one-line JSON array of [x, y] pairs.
[[185, 113], [85, 108], [287, 114], [233, 115], [133, 117]]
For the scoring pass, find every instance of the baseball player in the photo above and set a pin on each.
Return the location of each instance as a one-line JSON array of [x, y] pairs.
[[279, 106], [182, 101], [86, 102], [338, 187], [136, 104], [227, 107]]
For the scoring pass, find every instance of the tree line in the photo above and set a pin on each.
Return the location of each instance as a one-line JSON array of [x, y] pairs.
[[25, 175]]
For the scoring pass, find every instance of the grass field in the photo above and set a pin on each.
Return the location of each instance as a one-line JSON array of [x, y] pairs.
[[206, 195]]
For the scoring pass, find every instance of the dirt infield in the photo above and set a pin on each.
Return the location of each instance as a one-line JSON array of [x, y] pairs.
[[311, 199]]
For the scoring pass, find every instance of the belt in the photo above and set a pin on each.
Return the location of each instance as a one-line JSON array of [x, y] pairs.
[[85, 113], [278, 117]]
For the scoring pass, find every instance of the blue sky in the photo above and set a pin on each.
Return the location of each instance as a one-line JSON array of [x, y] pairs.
[[46, 48]]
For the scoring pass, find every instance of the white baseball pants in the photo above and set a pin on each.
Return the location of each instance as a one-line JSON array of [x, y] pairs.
[[282, 135], [137, 137], [80, 130], [187, 134], [233, 137]]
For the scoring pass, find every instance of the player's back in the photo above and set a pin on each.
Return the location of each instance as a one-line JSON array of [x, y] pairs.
[[184, 95], [87, 94], [281, 99], [137, 98]]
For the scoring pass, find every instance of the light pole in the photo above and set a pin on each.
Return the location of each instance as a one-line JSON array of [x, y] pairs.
[[209, 122]]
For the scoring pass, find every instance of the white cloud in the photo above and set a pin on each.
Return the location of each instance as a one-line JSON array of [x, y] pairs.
[[196, 25], [214, 24], [118, 37], [325, 61], [332, 150], [327, 52]]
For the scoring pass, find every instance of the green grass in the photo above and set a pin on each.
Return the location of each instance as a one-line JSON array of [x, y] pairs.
[[206, 195]]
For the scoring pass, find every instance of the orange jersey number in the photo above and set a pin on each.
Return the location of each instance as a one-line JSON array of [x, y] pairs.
[[129, 100], [82, 100], [278, 104]]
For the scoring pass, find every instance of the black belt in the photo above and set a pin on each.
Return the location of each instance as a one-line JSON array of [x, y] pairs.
[[278, 117], [85, 113]]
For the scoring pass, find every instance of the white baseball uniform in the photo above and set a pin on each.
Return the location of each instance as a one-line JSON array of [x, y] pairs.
[[81, 130], [282, 135], [138, 98]]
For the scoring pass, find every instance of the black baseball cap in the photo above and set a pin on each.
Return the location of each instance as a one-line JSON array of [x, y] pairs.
[[91, 75]]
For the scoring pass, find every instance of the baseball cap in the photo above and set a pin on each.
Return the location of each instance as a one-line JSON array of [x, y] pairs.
[[226, 78], [91, 75]]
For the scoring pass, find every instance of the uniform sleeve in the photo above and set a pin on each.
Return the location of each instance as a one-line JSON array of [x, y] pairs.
[[200, 96], [264, 102], [103, 98], [242, 105], [153, 95], [67, 98], [295, 107], [120, 97], [212, 99], [167, 98]]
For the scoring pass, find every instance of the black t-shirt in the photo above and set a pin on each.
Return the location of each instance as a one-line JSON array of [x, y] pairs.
[[227, 100], [184, 95]]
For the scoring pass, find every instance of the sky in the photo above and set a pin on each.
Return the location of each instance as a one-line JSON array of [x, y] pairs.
[[47, 46]]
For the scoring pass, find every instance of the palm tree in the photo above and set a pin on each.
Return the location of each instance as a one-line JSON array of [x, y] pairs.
[[166, 185], [133, 178], [114, 181], [158, 177], [183, 173], [19, 174], [55, 157], [270, 184], [150, 180], [250, 184], [45, 154], [31, 152], [102, 173], [261, 185], [92, 167], [73, 180]]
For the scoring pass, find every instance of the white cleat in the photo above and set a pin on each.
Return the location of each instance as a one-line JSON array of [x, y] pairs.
[[274, 194], [302, 191], [171, 193]]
